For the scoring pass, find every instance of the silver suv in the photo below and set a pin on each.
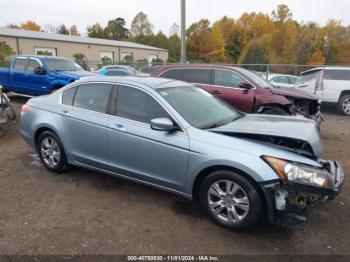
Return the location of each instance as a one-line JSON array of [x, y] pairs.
[[330, 84]]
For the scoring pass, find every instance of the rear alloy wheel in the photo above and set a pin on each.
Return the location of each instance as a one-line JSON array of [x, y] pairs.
[[51, 152], [230, 200], [344, 105]]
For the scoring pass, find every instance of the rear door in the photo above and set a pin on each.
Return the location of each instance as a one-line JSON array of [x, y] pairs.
[[226, 86], [84, 117], [18, 75], [38, 84]]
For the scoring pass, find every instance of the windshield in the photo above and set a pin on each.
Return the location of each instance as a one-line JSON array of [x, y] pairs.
[[198, 107], [257, 79], [59, 64]]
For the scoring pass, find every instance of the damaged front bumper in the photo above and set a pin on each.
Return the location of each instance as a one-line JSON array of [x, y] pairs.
[[287, 202]]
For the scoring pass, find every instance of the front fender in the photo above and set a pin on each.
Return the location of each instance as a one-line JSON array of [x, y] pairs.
[[262, 100]]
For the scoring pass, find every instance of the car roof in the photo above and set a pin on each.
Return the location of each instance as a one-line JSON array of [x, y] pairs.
[[325, 68], [163, 67], [151, 82]]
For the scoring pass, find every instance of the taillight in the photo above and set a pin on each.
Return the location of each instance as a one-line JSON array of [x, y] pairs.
[[25, 109]]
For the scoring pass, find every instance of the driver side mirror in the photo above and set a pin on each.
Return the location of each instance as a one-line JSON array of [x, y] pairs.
[[163, 124], [246, 85], [39, 71]]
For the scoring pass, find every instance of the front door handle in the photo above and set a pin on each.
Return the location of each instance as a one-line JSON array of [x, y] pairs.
[[119, 127], [216, 92], [65, 112]]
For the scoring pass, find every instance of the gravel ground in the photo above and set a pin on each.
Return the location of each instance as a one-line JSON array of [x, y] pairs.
[[84, 212]]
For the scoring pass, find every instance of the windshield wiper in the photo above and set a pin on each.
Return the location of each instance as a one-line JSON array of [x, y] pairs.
[[222, 123]]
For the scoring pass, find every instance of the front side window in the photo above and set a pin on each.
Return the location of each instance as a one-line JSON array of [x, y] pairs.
[[227, 78], [200, 76], [32, 65], [92, 97], [198, 107], [255, 78], [137, 105], [20, 64]]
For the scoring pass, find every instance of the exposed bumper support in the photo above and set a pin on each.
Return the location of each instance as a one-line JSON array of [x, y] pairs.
[[286, 203]]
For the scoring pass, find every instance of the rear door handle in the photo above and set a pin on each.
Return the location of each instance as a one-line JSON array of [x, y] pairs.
[[216, 92]]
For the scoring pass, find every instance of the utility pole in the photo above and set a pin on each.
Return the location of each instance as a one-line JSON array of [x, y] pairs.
[[183, 31]]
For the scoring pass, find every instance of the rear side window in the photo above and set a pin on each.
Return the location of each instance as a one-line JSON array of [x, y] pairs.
[[227, 78], [68, 96], [20, 64], [201, 76], [337, 75], [93, 97], [176, 74], [137, 105]]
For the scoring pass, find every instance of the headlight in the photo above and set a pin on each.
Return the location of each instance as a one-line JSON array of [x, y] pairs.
[[300, 173]]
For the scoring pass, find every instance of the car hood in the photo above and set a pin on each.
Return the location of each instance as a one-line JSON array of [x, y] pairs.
[[75, 74], [295, 134], [292, 92]]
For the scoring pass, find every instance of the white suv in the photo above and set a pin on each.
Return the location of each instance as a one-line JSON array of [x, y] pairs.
[[330, 84]]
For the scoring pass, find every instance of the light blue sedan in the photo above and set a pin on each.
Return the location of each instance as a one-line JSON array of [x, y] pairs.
[[177, 137]]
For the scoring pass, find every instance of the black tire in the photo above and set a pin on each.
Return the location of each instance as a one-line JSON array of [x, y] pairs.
[[342, 108], [275, 111], [252, 215], [59, 165]]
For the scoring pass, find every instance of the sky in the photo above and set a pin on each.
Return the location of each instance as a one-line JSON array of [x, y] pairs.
[[162, 13]]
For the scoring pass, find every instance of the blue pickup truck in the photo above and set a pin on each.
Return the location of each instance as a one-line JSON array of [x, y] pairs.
[[39, 75]]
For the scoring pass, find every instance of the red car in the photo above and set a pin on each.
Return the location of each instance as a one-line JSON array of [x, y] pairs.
[[245, 90]]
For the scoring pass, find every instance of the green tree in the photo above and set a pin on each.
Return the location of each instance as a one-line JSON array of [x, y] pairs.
[[116, 29], [63, 30], [5, 52], [141, 25], [73, 30], [80, 58], [128, 60], [96, 31]]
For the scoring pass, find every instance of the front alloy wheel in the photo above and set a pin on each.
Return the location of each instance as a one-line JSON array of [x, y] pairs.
[[230, 199]]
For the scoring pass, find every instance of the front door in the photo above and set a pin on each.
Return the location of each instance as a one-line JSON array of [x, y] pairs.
[[226, 86], [137, 151], [38, 84]]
